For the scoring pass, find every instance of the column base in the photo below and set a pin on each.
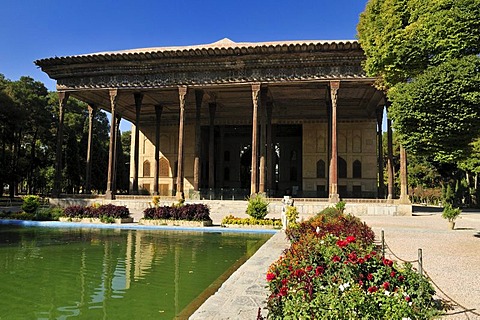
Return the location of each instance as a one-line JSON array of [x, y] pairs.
[[109, 195], [404, 199], [180, 195], [333, 198]]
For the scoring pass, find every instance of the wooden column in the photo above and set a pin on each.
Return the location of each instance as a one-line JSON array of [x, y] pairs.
[[254, 173], [269, 182], [221, 158], [136, 152], [403, 176], [182, 92], [118, 146], [263, 139], [391, 173], [211, 146], [158, 117], [57, 184], [110, 192], [88, 174], [381, 184], [198, 141], [333, 188]]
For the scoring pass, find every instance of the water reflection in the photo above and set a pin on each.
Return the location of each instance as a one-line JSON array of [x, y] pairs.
[[100, 274]]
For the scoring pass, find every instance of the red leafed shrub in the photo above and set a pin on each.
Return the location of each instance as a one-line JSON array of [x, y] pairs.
[[189, 212], [104, 211]]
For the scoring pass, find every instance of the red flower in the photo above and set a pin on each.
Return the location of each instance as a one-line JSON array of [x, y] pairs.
[[370, 277], [367, 257], [270, 276], [361, 260], [408, 299], [283, 292], [350, 239], [387, 262], [341, 243], [401, 278], [372, 289], [284, 282], [308, 268], [373, 253], [335, 258], [319, 270], [352, 257], [392, 274], [386, 285], [299, 273], [360, 282]]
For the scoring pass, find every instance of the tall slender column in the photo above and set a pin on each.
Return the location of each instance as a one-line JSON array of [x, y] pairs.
[[182, 91], [221, 176], [198, 140], [269, 182], [390, 172], [254, 173], [62, 101], [118, 146], [263, 138], [136, 152], [158, 117], [381, 184], [333, 192], [110, 192], [403, 176], [211, 146], [88, 174]]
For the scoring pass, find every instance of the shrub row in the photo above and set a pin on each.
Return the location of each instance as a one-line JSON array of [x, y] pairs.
[[103, 211], [251, 221], [189, 212], [333, 270], [42, 214]]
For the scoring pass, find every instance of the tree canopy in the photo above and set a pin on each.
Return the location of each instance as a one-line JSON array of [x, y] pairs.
[[424, 54]]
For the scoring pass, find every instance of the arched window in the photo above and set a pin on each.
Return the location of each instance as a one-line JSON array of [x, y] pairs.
[[357, 169], [320, 169], [164, 167], [342, 168], [146, 168]]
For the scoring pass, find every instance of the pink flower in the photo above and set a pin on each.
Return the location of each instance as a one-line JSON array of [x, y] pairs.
[[408, 299]]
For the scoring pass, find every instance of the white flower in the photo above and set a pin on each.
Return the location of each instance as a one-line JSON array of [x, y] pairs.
[[344, 286], [387, 293], [406, 318]]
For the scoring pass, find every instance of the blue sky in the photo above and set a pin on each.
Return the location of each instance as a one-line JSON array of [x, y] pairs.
[[33, 29]]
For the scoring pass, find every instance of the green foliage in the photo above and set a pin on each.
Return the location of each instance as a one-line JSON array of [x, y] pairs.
[[30, 203], [340, 206], [448, 194], [257, 207], [403, 38], [292, 215], [326, 276], [436, 114], [450, 213]]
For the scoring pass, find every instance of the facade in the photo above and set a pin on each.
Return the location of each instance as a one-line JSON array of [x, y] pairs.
[[231, 119]]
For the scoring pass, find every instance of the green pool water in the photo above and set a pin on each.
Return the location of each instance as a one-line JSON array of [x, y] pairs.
[[49, 273]]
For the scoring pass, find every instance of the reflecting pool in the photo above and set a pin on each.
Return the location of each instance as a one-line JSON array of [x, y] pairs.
[[50, 273]]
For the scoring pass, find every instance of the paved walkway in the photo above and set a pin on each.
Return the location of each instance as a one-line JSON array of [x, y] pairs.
[[450, 257], [245, 291]]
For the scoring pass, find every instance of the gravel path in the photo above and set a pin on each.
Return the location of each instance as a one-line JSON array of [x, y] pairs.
[[450, 257]]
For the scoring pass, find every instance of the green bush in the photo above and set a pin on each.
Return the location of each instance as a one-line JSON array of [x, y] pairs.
[[257, 207], [292, 215], [30, 203], [450, 213]]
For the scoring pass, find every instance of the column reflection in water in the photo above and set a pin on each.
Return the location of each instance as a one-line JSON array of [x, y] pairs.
[[99, 274]]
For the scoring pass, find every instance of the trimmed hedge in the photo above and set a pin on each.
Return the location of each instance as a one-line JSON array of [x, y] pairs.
[[188, 212], [103, 211]]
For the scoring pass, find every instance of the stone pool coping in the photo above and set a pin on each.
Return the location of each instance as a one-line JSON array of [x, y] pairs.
[[129, 226]]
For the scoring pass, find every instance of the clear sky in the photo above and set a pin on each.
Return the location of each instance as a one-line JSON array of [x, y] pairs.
[[33, 29]]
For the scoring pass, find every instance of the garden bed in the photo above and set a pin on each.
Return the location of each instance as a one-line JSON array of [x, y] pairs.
[[171, 222], [251, 226], [96, 220]]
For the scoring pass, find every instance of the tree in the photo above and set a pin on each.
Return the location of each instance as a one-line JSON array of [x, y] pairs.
[[436, 115]]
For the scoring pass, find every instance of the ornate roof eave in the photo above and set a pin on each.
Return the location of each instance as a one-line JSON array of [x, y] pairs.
[[223, 47]]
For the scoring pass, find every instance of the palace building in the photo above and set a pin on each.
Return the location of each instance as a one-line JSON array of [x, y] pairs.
[[232, 119]]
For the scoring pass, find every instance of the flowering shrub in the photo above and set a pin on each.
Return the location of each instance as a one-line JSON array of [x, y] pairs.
[[230, 219], [339, 276], [189, 212], [108, 211]]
